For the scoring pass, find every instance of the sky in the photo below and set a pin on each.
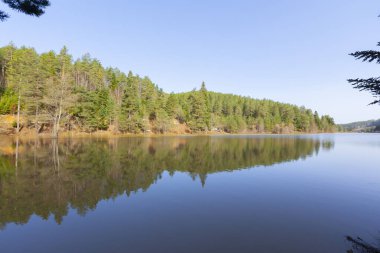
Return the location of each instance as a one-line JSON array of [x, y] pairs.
[[292, 51]]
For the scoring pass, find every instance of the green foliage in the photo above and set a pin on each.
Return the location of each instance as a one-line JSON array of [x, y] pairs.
[[372, 85], [8, 101], [163, 123], [361, 126], [234, 124], [29, 7], [95, 109], [199, 116], [58, 92]]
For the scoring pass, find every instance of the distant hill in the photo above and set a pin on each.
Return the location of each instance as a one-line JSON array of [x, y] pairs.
[[362, 126]]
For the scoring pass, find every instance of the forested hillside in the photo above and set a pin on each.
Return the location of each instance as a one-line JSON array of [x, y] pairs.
[[51, 92], [362, 126]]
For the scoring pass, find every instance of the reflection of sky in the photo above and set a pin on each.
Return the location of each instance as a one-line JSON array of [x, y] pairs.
[[300, 206]]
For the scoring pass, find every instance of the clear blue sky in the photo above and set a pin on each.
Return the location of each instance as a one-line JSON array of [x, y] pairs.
[[292, 51]]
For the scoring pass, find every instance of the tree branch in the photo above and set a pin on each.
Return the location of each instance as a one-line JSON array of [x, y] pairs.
[[369, 55], [29, 7], [371, 84]]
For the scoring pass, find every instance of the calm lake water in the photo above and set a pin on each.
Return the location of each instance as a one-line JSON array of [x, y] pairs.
[[190, 194]]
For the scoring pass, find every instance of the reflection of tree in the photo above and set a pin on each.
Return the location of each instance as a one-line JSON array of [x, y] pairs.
[[78, 173], [360, 246]]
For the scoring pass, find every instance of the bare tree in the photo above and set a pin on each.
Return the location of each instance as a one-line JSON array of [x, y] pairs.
[[59, 96]]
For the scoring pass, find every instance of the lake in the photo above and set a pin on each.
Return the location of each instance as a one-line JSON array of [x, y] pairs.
[[296, 193]]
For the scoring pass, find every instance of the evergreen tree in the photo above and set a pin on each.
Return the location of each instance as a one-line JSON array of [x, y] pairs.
[[53, 91], [6, 54], [174, 109], [162, 121], [89, 73], [131, 113], [95, 109], [199, 115], [29, 7], [372, 84], [34, 91], [8, 101], [22, 77], [116, 81], [206, 109]]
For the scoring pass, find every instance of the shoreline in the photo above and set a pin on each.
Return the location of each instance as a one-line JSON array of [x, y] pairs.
[[107, 134]]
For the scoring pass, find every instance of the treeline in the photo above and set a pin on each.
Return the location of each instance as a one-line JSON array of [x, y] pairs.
[[52, 92], [368, 126]]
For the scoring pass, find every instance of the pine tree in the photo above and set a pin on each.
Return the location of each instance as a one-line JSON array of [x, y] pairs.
[[29, 7], [116, 81], [370, 84], [131, 108], [207, 109], [89, 73], [174, 109], [46, 88], [95, 109], [199, 114], [6, 54], [22, 77], [162, 121], [34, 90]]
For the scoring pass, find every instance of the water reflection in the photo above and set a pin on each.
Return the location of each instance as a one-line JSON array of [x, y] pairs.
[[47, 177]]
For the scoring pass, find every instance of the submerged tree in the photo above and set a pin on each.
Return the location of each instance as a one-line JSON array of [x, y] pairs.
[[29, 7]]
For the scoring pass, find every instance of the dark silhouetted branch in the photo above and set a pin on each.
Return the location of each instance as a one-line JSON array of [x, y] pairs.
[[369, 55], [371, 84], [29, 7]]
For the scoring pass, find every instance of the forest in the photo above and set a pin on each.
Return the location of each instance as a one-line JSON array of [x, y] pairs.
[[369, 126], [51, 93]]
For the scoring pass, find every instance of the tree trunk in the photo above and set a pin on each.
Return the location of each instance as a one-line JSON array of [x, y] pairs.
[[58, 117], [18, 112], [36, 120], [58, 111]]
